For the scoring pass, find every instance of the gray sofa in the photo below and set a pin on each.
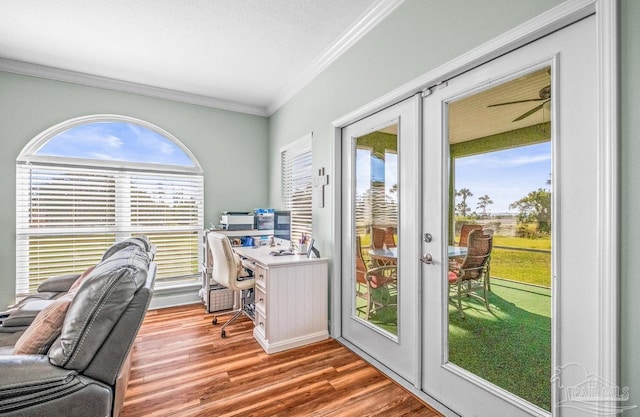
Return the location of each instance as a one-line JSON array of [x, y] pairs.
[[85, 371]]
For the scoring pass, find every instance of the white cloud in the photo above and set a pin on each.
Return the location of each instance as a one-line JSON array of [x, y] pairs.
[[503, 160], [167, 148], [526, 160], [110, 141]]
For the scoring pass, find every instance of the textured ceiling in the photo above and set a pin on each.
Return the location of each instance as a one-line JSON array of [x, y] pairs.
[[242, 51]]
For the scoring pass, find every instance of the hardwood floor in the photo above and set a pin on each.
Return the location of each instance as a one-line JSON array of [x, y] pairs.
[[182, 367]]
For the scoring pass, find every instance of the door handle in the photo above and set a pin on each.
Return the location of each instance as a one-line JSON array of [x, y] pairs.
[[427, 259]]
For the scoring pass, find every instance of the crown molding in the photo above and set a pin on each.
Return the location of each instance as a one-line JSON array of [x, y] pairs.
[[57, 74], [367, 21]]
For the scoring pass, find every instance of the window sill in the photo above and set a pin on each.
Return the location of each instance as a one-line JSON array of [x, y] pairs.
[[177, 287]]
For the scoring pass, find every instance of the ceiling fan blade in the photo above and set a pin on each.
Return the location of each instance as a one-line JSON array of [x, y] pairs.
[[530, 112], [515, 102]]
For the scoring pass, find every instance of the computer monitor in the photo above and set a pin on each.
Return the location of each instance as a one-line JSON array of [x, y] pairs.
[[282, 228]]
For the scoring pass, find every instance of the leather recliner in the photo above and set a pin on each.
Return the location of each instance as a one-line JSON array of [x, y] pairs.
[[85, 371], [19, 316]]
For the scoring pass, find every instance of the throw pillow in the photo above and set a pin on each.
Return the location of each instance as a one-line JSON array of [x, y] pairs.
[[45, 328], [80, 280]]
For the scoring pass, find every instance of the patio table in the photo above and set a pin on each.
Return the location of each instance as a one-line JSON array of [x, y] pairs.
[[391, 254]]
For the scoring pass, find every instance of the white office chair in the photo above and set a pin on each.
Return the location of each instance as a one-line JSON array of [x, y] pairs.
[[229, 272]]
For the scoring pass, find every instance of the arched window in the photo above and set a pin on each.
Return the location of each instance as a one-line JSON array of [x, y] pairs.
[[89, 182]]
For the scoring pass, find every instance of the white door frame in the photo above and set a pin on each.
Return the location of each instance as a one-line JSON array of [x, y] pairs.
[[608, 135]]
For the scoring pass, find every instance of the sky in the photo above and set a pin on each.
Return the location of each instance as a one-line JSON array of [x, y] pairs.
[[371, 168], [505, 176], [117, 141]]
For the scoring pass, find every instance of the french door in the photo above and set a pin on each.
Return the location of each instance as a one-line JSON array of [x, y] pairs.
[[414, 173], [381, 286], [517, 135]]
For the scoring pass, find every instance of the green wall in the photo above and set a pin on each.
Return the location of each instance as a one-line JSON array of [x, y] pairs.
[[630, 200], [229, 146], [424, 34]]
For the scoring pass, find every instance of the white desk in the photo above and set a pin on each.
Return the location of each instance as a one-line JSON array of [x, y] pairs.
[[291, 295]]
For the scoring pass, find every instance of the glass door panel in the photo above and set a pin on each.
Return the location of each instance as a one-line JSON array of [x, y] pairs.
[[376, 228], [500, 199]]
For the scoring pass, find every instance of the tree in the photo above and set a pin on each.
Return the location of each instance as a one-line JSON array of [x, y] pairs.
[[535, 207], [462, 207], [483, 203]]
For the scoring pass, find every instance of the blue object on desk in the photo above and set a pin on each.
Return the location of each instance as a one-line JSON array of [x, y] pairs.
[[247, 241]]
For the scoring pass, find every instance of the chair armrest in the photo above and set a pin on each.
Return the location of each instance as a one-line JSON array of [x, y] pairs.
[[23, 373], [383, 269], [31, 385], [59, 283], [24, 314], [381, 275]]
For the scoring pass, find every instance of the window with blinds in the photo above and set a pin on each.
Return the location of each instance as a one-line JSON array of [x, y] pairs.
[[296, 177], [68, 214]]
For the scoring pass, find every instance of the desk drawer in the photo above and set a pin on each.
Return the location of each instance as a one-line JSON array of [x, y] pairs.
[[260, 275], [261, 323], [261, 298]]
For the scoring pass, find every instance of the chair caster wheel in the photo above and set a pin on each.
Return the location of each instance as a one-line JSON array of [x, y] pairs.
[[224, 334], [214, 321]]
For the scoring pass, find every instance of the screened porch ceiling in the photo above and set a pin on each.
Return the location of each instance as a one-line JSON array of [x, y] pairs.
[[470, 118]]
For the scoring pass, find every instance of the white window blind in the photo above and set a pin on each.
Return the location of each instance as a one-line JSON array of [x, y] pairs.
[[296, 177], [67, 216]]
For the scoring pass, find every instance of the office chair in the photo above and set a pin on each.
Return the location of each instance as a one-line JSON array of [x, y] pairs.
[[229, 272]]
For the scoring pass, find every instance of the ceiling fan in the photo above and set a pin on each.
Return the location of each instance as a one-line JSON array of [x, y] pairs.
[[545, 97]]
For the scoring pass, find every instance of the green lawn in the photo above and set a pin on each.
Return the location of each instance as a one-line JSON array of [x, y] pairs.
[[522, 242], [386, 318], [528, 267], [510, 345]]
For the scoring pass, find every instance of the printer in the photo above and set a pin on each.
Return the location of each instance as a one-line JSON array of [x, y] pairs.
[[263, 218], [235, 220]]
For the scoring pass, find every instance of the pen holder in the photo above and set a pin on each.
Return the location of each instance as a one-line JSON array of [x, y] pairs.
[[303, 248]]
